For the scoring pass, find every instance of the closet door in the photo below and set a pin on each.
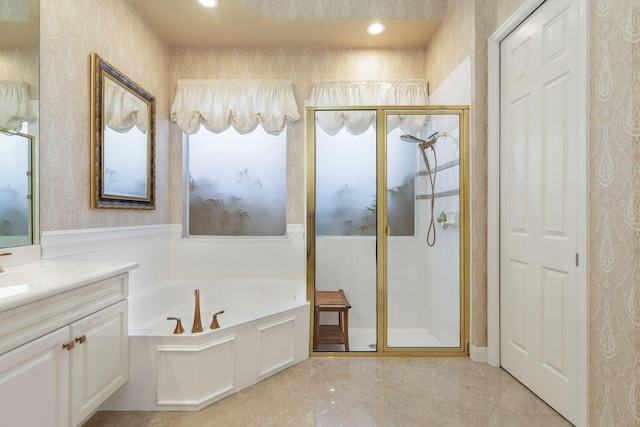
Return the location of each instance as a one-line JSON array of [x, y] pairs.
[[538, 205]]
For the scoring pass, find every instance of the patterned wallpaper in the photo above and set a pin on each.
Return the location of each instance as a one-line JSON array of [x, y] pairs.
[[300, 65], [615, 212], [451, 43], [20, 64], [70, 31]]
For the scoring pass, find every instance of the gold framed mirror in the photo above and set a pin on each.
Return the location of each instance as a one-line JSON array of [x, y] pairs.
[[122, 140]]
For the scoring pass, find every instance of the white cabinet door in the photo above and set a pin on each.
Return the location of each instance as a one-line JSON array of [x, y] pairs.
[[539, 236], [100, 360], [34, 383]]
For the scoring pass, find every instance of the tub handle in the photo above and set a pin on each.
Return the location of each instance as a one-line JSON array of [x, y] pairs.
[[179, 329], [214, 320]]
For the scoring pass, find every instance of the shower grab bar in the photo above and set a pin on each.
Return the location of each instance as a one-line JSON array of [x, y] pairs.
[[455, 192]]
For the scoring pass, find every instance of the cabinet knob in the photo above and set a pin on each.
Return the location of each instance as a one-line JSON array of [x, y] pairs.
[[81, 339], [68, 345]]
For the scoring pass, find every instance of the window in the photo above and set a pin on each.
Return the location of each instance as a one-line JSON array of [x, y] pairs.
[[237, 183]]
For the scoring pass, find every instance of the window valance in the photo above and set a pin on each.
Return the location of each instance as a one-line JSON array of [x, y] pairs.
[[243, 104], [15, 104], [122, 109], [329, 93]]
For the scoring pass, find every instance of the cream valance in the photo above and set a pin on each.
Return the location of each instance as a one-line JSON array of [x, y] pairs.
[[330, 93], [15, 105], [122, 109], [243, 104]]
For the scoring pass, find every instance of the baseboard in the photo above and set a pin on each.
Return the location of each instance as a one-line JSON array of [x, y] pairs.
[[478, 354]]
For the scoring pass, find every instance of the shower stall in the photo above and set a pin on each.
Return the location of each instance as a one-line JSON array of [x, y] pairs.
[[387, 224]]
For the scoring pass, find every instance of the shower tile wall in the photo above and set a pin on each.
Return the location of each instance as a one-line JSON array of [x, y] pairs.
[[349, 263]]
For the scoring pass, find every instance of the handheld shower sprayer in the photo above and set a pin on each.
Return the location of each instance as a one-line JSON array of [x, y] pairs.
[[424, 145]]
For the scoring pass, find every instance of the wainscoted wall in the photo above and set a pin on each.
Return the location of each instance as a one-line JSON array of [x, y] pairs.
[[162, 254], [69, 32], [149, 246]]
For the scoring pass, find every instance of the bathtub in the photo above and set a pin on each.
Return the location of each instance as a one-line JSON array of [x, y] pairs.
[[263, 330]]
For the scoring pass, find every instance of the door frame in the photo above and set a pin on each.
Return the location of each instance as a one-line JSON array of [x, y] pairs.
[[493, 205], [382, 111]]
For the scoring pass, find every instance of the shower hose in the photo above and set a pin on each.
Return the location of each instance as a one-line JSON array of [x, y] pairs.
[[431, 233]]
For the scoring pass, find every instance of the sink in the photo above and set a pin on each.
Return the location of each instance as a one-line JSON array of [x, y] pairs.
[[16, 282]]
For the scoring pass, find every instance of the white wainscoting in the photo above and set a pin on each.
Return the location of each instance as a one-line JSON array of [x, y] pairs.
[[149, 246]]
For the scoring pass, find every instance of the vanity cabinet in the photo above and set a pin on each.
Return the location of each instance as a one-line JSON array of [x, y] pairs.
[[99, 362], [62, 377], [34, 383]]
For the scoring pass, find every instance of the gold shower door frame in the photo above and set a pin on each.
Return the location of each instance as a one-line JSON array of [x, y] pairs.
[[382, 349]]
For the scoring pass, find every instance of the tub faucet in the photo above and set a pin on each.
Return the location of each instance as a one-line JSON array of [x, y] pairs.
[[4, 254], [197, 321], [214, 321], [178, 329]]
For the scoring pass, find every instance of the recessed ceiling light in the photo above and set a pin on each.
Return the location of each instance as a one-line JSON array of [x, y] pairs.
[[375, 28], [208, 3]]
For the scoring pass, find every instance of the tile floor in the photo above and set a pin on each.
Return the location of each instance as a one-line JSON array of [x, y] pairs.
[[366, 391]]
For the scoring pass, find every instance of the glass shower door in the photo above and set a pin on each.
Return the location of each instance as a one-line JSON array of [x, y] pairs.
[[345, 232], [387, 229], [423, 287]]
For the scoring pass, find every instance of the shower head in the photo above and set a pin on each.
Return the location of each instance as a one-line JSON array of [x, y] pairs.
[[423, 144], [412, 139]]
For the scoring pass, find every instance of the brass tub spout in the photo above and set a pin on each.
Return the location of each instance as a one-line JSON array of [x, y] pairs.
[[197, 321], [179, 329], [214, 321]]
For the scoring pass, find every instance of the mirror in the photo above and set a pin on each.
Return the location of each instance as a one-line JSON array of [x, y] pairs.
[[19, 94], [16, 188], [123, 140]]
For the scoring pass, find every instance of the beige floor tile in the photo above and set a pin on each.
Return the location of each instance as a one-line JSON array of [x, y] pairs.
[[366, 391]]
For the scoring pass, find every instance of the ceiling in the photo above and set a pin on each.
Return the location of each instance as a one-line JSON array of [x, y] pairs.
[[186, 23]]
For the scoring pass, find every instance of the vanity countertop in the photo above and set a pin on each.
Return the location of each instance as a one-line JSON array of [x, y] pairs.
[[28, 283]]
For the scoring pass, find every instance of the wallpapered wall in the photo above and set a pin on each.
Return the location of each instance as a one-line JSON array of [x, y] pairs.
[[614, 116], [300, 65], [615, 212], [21, 64], [70, 31]]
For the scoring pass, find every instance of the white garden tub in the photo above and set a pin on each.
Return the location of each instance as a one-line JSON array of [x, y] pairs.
[[264, 329]]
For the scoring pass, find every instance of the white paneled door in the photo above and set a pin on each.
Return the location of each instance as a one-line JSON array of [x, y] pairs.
[[539, 188]]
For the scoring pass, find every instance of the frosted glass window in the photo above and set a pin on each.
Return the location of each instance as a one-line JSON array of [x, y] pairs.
[[237, 183], [346, 184], [15, 164]]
